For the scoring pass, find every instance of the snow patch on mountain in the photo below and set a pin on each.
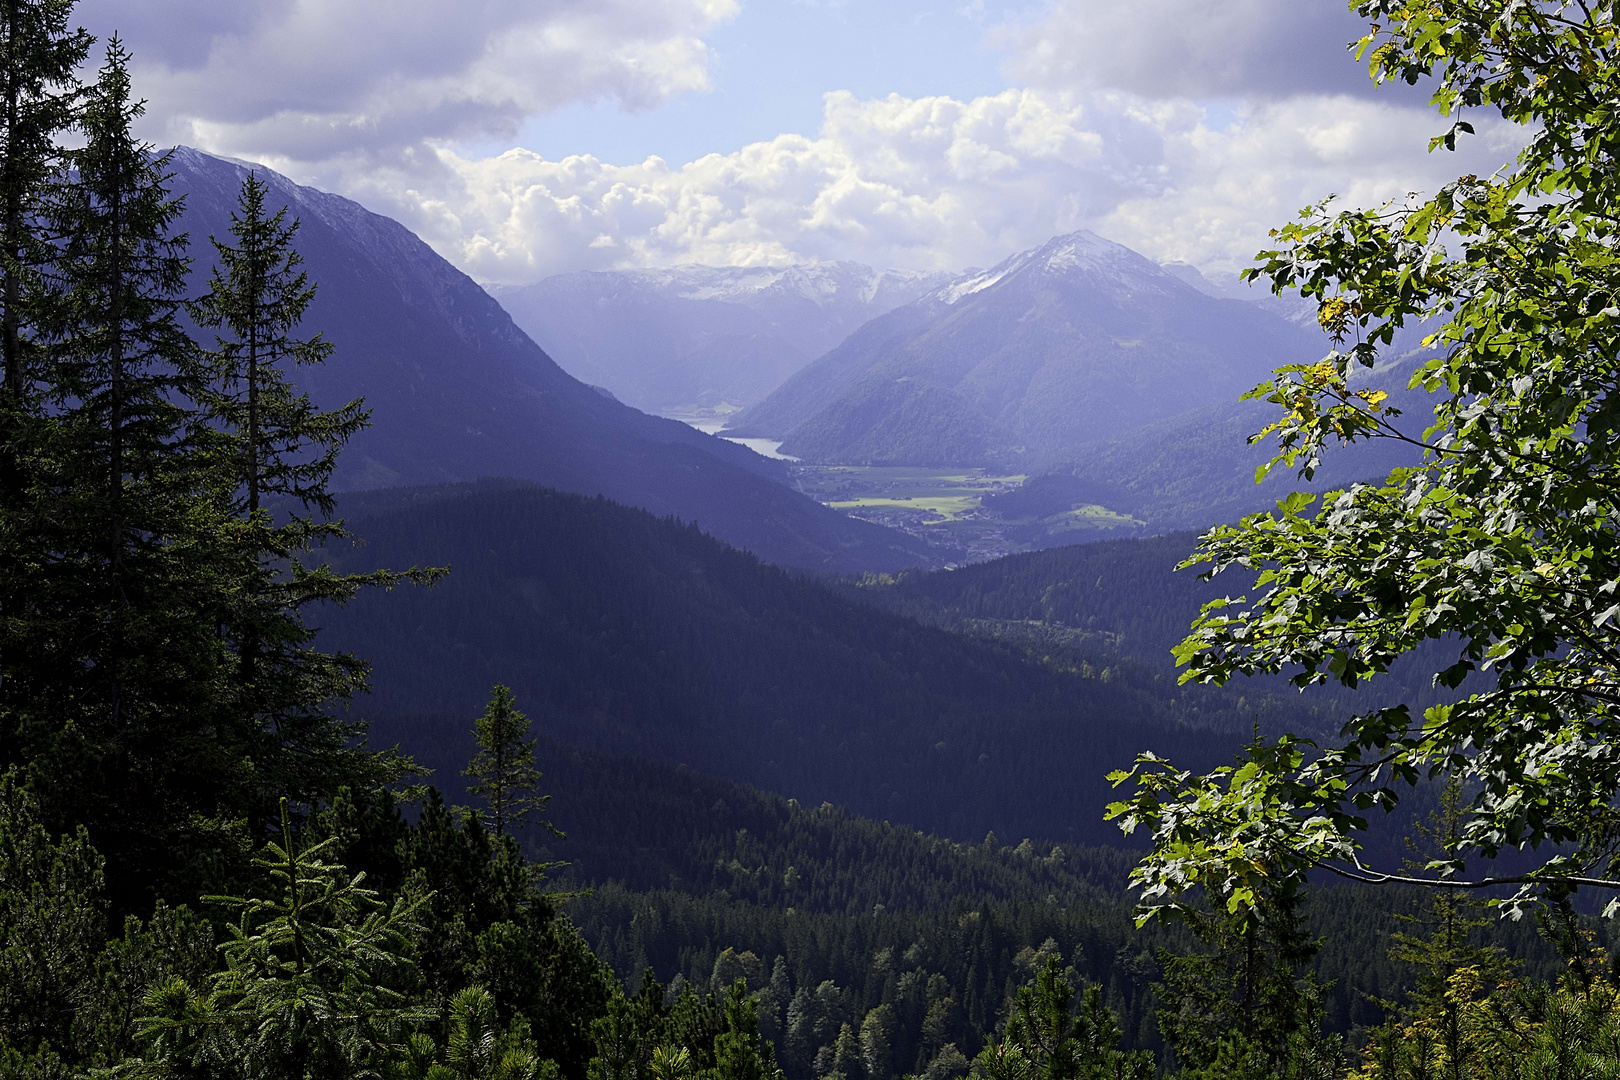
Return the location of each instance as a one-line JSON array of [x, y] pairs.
[[1081, 255]]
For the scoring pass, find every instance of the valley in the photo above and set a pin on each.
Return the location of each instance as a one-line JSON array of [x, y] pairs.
[[630, 668], [959, 510]]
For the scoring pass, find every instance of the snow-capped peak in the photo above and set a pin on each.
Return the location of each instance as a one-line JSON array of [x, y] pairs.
[[1081, 253]]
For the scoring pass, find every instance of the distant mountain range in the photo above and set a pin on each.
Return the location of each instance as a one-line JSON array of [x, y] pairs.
[[458, 391], [1024, 364], [702, 340]]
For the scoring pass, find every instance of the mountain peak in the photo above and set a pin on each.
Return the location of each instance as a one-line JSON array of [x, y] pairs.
[[1081, 255], [1083, 249]]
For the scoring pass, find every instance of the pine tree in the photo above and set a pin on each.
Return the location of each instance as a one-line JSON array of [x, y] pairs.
[[1243, 1009], [39, 98], [51, 926], [1046, 1040], [503, 770], [1453, 917], [39, 94]]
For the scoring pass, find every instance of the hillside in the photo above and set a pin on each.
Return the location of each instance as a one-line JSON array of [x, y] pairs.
[[1076, 341], [1196, 469], [623, 632], [700, 340], [458, 392], [1122, 603]]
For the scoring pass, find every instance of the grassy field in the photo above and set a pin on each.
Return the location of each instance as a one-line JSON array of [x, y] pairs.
[[1100, 517], [941, 494], [945, 506]]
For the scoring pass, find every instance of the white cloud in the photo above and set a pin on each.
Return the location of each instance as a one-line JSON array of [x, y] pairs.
[[310, 80], [1190, 48], [934, 183], [370, 97], [1232, 186]]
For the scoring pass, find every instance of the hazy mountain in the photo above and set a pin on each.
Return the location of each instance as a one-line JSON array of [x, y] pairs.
[[1193, 470], [700, 339], [1076, 341], [458, 391], [1228, 286]]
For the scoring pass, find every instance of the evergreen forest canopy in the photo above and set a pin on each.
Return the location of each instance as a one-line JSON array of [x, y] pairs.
[[206, 871]]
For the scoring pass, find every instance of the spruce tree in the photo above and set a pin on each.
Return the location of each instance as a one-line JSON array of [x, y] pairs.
[[503, 771], [277, 448], [116, 687], [39, 98], [39, 95], [1243, 1009], [316, 981]]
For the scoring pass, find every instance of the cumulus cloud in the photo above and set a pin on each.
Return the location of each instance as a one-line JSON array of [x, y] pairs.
[[310, 80], [1189, 48], [1231, 186], [935, 183], [371, 97]]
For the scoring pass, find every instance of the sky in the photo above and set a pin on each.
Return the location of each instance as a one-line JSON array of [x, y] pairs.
[[523, 138]]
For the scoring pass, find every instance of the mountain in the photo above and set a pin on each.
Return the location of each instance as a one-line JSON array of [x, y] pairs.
[[624, 633], [1076, 341], [701, 340], [458, 391]]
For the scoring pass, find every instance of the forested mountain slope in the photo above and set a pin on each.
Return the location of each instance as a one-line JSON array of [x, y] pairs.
[[831, 917], [1122, 603], [1075, 341], [703, 339], [625, 632], [457, 391]]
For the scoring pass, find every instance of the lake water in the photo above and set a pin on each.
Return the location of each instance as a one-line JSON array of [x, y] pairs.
[[770, 448]]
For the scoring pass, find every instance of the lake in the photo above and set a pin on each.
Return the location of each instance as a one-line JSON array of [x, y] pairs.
[[763, 447]]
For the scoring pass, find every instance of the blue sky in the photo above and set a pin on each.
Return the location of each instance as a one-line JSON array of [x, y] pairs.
[[772, 63]]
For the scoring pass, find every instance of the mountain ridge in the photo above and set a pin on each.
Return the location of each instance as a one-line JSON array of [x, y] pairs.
[[459, 392], [1076, 340]]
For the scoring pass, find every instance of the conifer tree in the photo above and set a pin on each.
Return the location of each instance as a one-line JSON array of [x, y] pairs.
[[314, 981], [39, 97], [121, 677], [1453, 917], [39, 94], [276, 444], [503, 770], [283, 445], [1242, 1009], [1045, 1039]]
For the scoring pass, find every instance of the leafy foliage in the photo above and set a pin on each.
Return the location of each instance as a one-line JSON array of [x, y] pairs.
[[1499, 545]]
